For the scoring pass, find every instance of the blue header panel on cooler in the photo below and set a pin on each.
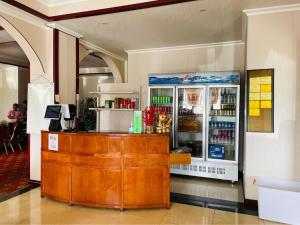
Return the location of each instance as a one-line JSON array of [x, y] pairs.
[[232, 77]]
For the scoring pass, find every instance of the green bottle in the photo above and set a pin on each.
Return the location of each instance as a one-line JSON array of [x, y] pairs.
[[137, 122]]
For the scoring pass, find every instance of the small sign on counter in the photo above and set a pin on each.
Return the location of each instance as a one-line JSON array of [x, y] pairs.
[[53, 142]]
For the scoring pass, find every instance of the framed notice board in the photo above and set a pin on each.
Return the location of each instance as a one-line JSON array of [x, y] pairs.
[[260, 100]]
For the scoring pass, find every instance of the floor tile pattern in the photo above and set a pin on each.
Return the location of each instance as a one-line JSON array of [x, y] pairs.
[[30, 208], [208, 188]]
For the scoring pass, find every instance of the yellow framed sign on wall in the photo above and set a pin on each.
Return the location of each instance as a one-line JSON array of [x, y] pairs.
[[260, 100]]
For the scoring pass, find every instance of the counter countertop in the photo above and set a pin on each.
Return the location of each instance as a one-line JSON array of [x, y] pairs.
[[104, 133]]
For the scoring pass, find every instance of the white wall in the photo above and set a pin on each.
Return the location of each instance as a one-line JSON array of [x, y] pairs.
[[209, 58], [67, 68], [8, 89], [88, 83], [221, 57], [24, 79], [273, 41]]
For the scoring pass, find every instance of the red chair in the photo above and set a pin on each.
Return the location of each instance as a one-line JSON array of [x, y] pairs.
[[5, 138]]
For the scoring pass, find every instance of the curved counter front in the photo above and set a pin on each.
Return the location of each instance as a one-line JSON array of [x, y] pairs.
[[113, 170]]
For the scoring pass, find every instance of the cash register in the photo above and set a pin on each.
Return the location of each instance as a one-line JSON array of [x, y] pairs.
[[61, 116]]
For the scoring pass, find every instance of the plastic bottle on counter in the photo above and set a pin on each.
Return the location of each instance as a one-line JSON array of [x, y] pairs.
[[130, 129]]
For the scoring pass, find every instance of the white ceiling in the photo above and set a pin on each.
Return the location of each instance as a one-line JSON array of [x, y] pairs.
[[197, 22], [50, 3]]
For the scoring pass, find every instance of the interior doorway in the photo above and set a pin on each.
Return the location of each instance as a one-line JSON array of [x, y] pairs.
[[14, 79], [93, 70]]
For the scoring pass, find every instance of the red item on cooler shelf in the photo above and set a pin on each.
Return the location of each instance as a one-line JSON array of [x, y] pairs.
[[132, 105]]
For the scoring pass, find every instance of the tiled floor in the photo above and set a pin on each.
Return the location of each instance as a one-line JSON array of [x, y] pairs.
[[208, 188], [30, 208]]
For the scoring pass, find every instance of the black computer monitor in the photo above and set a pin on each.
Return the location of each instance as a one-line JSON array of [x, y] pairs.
[[53, 112]]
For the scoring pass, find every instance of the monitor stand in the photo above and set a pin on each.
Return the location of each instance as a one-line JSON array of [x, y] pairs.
[[55, 125]]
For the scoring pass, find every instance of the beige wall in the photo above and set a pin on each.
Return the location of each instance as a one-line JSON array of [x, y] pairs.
[[214, 58], [121, 65], [89, 83], [274, 42], [8, 89], [67, 68], [13, 87], [24, 79]]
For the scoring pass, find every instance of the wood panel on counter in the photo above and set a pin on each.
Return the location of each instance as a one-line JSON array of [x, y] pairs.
[[114, 170]]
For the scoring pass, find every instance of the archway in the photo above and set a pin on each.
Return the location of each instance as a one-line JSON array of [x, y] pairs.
[[83, 52], [36, 67]]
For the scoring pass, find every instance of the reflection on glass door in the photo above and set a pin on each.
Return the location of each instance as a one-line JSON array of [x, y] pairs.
[[190, 119], [162, 99], [222, 123]]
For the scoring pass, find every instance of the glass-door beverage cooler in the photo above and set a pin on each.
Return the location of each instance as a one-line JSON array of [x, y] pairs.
[[190, 119], [162, 99], [205, 112], [222, 138]]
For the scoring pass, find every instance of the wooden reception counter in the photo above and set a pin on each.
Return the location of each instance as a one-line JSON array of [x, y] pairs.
[[114, 170]]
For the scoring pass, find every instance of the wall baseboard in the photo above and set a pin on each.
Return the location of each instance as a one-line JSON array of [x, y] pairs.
[[251, 204], [34, 182], [224, 205]]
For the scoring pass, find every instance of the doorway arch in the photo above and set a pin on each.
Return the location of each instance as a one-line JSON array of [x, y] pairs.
[[106, 58], [36, 68]]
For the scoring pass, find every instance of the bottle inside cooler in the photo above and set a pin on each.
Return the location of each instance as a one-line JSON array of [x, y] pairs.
[[222, 123], [162, 101]]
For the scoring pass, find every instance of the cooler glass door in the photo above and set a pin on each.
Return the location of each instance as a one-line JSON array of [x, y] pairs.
[[222, 123], [190, 119], [162, 98]]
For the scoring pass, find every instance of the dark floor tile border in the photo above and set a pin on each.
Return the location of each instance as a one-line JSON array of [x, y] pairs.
[[213, 203], [19, 192], [34, 182]]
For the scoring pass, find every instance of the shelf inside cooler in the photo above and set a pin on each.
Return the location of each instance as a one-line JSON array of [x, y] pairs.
[[186, 131], [169, 103], [233, 116], [195, 115], [221, 128], [222, 144], [114, 92], [111, 109]]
